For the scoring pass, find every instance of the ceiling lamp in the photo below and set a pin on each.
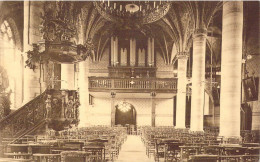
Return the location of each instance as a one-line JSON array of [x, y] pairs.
[[124, 106], [132, 8], [59, 33], [136, 12]]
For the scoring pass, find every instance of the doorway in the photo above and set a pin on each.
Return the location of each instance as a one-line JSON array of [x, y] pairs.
[[126, 116]]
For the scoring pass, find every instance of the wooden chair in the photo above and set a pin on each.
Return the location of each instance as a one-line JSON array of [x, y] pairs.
[[16, 160], [150, 148], [204, 158], [74, 145], [77, 156], [96, 152], [159, 151], [230, 158], [47, 157], [133, 130], [251, 158]]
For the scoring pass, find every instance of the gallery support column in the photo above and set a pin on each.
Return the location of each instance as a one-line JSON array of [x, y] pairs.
[[230, 96], [153, 94], [198, 80], [181, 90], [113, 109]]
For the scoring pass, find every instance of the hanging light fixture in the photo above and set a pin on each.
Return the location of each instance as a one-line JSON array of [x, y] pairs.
[[142, 12]]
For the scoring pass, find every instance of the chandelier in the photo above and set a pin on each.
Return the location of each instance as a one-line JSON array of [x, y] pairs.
[[140, 12], [124, 106], [59, 33]]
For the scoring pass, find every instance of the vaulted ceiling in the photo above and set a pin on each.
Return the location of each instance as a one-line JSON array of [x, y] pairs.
[[173, 32]]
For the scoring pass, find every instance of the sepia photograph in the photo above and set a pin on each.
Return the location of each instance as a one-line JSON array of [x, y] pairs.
[[129, 81]]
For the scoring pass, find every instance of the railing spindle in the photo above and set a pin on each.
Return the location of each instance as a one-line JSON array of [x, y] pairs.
[[126, 83]]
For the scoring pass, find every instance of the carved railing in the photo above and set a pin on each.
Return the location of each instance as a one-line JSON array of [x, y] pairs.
[[50, 106], [149, 84], [25, 117]]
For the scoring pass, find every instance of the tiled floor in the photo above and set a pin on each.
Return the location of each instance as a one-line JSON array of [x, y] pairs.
[[133, 150]]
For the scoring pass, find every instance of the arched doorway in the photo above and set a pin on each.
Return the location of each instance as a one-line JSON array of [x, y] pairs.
[[125, 114]]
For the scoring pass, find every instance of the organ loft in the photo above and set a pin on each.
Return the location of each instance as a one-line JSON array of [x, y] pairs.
[[92, 81]]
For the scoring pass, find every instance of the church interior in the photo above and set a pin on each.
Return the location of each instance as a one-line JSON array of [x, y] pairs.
[[142, 81]]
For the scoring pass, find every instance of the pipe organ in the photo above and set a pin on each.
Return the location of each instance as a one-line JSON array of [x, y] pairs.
[[114, 51], [141, 57], [132, 51], [150, 51], [131, 55], [137, 53]]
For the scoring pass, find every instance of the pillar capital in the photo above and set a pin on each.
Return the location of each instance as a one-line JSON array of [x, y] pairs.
[[182, 55], [200, 32], [153, 94], [113, 94]]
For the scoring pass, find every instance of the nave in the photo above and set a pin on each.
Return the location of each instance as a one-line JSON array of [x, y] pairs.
[[122, 144], [89, 81], [133, 150]]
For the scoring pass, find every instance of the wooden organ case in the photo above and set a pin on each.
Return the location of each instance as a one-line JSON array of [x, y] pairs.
[[132, 55]]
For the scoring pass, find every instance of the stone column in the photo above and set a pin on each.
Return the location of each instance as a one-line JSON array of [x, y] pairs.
[[112, 52], [83, 93], [67, 76], [181, 92], [198, 80], [113, 109], [32, 12], [230, 96], [153, 94]]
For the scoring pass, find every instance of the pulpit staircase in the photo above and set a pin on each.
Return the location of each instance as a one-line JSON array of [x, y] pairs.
[[34, 119], [24, 121]]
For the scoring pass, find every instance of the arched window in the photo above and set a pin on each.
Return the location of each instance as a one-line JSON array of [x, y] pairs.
[[11, 61]]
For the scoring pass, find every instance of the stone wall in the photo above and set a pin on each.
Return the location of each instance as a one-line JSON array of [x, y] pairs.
[[100, 112], [253, 67]]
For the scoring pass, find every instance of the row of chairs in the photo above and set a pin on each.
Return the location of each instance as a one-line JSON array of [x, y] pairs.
[[185, 145], [88, 144]]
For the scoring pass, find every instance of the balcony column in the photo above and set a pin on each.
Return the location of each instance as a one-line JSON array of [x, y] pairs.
[[113, 109], [153, 94], [230, 96], [181, 92], [32, 81], [198, 80]]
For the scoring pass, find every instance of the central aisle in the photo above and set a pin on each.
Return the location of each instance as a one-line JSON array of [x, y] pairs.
[[133, 150]]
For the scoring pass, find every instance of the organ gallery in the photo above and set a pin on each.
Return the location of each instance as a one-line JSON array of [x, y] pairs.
[[90, 81]]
